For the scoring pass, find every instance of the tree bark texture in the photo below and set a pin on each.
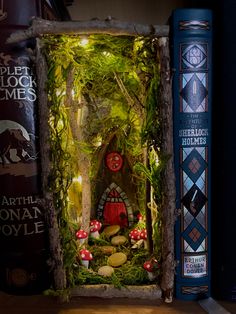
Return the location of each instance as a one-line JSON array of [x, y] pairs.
[[78, 125], [84, 167], [168, 210], [110, 27], [56, 262]]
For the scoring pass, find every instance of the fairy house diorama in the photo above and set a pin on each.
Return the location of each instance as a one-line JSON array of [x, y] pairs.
[[107, 150]]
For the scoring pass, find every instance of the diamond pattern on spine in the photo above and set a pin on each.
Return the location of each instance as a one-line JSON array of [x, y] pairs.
[[194, 56], [194, 165], [194, 200], [201, 248], [202, 151], [187, 248], [187, 183], [201, 182], [193, 98], [201, 217], [194, 92], [194, 235], [186, 151], [188, 218]]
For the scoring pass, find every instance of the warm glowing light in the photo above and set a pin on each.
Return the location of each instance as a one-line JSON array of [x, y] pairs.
[[106, 53], [98, 142], [60, 124], [77, 179], [156, 160], [84, 41]]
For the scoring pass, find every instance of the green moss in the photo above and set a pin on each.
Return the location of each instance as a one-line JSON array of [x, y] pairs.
[[118, 78]]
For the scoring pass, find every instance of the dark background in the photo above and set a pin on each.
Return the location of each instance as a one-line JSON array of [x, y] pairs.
[[223, 210]]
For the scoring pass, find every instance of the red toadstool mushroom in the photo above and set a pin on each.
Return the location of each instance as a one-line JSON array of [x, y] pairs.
[[81, 235], [134, 235], [150, 266], [95, 227], [139, 217], [135, 239], [86, 256]]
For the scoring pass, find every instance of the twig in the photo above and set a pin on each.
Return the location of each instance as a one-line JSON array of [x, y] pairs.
[[110, 27]]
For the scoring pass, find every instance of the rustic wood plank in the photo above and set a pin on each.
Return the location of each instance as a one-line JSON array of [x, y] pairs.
[[168, 210], [110, 27], [56, 261]]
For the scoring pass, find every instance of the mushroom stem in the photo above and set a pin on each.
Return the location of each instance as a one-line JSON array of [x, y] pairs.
[[151, 275], [82, 241], [137, 244], [85, 263], [145, 244], [94, 234]]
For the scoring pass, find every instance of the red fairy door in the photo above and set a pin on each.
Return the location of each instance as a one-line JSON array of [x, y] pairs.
[[115, 191], [115, 212]]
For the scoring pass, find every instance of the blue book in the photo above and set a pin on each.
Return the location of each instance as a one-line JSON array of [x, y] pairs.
[[192, 68]]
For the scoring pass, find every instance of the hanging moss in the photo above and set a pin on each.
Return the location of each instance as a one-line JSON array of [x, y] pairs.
[[116, 79]]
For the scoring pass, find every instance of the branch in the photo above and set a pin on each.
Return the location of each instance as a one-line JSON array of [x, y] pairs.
[[168, 210], [59, 274], [110, 27]]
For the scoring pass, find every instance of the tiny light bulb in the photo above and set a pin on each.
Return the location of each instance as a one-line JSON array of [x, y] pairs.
[[78, 179], [84, 41]]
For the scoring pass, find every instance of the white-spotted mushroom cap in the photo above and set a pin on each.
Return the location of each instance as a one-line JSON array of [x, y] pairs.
[[86, 255], [148, 266], [143, 234], [81, 234], [151, 265], [135, 234], [95, 225]]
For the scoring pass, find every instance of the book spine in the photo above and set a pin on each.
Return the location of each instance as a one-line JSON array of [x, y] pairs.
[[23, 231], [192, 89]]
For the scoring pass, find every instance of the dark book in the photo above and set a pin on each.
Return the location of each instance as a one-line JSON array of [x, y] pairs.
[[191, 32]]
